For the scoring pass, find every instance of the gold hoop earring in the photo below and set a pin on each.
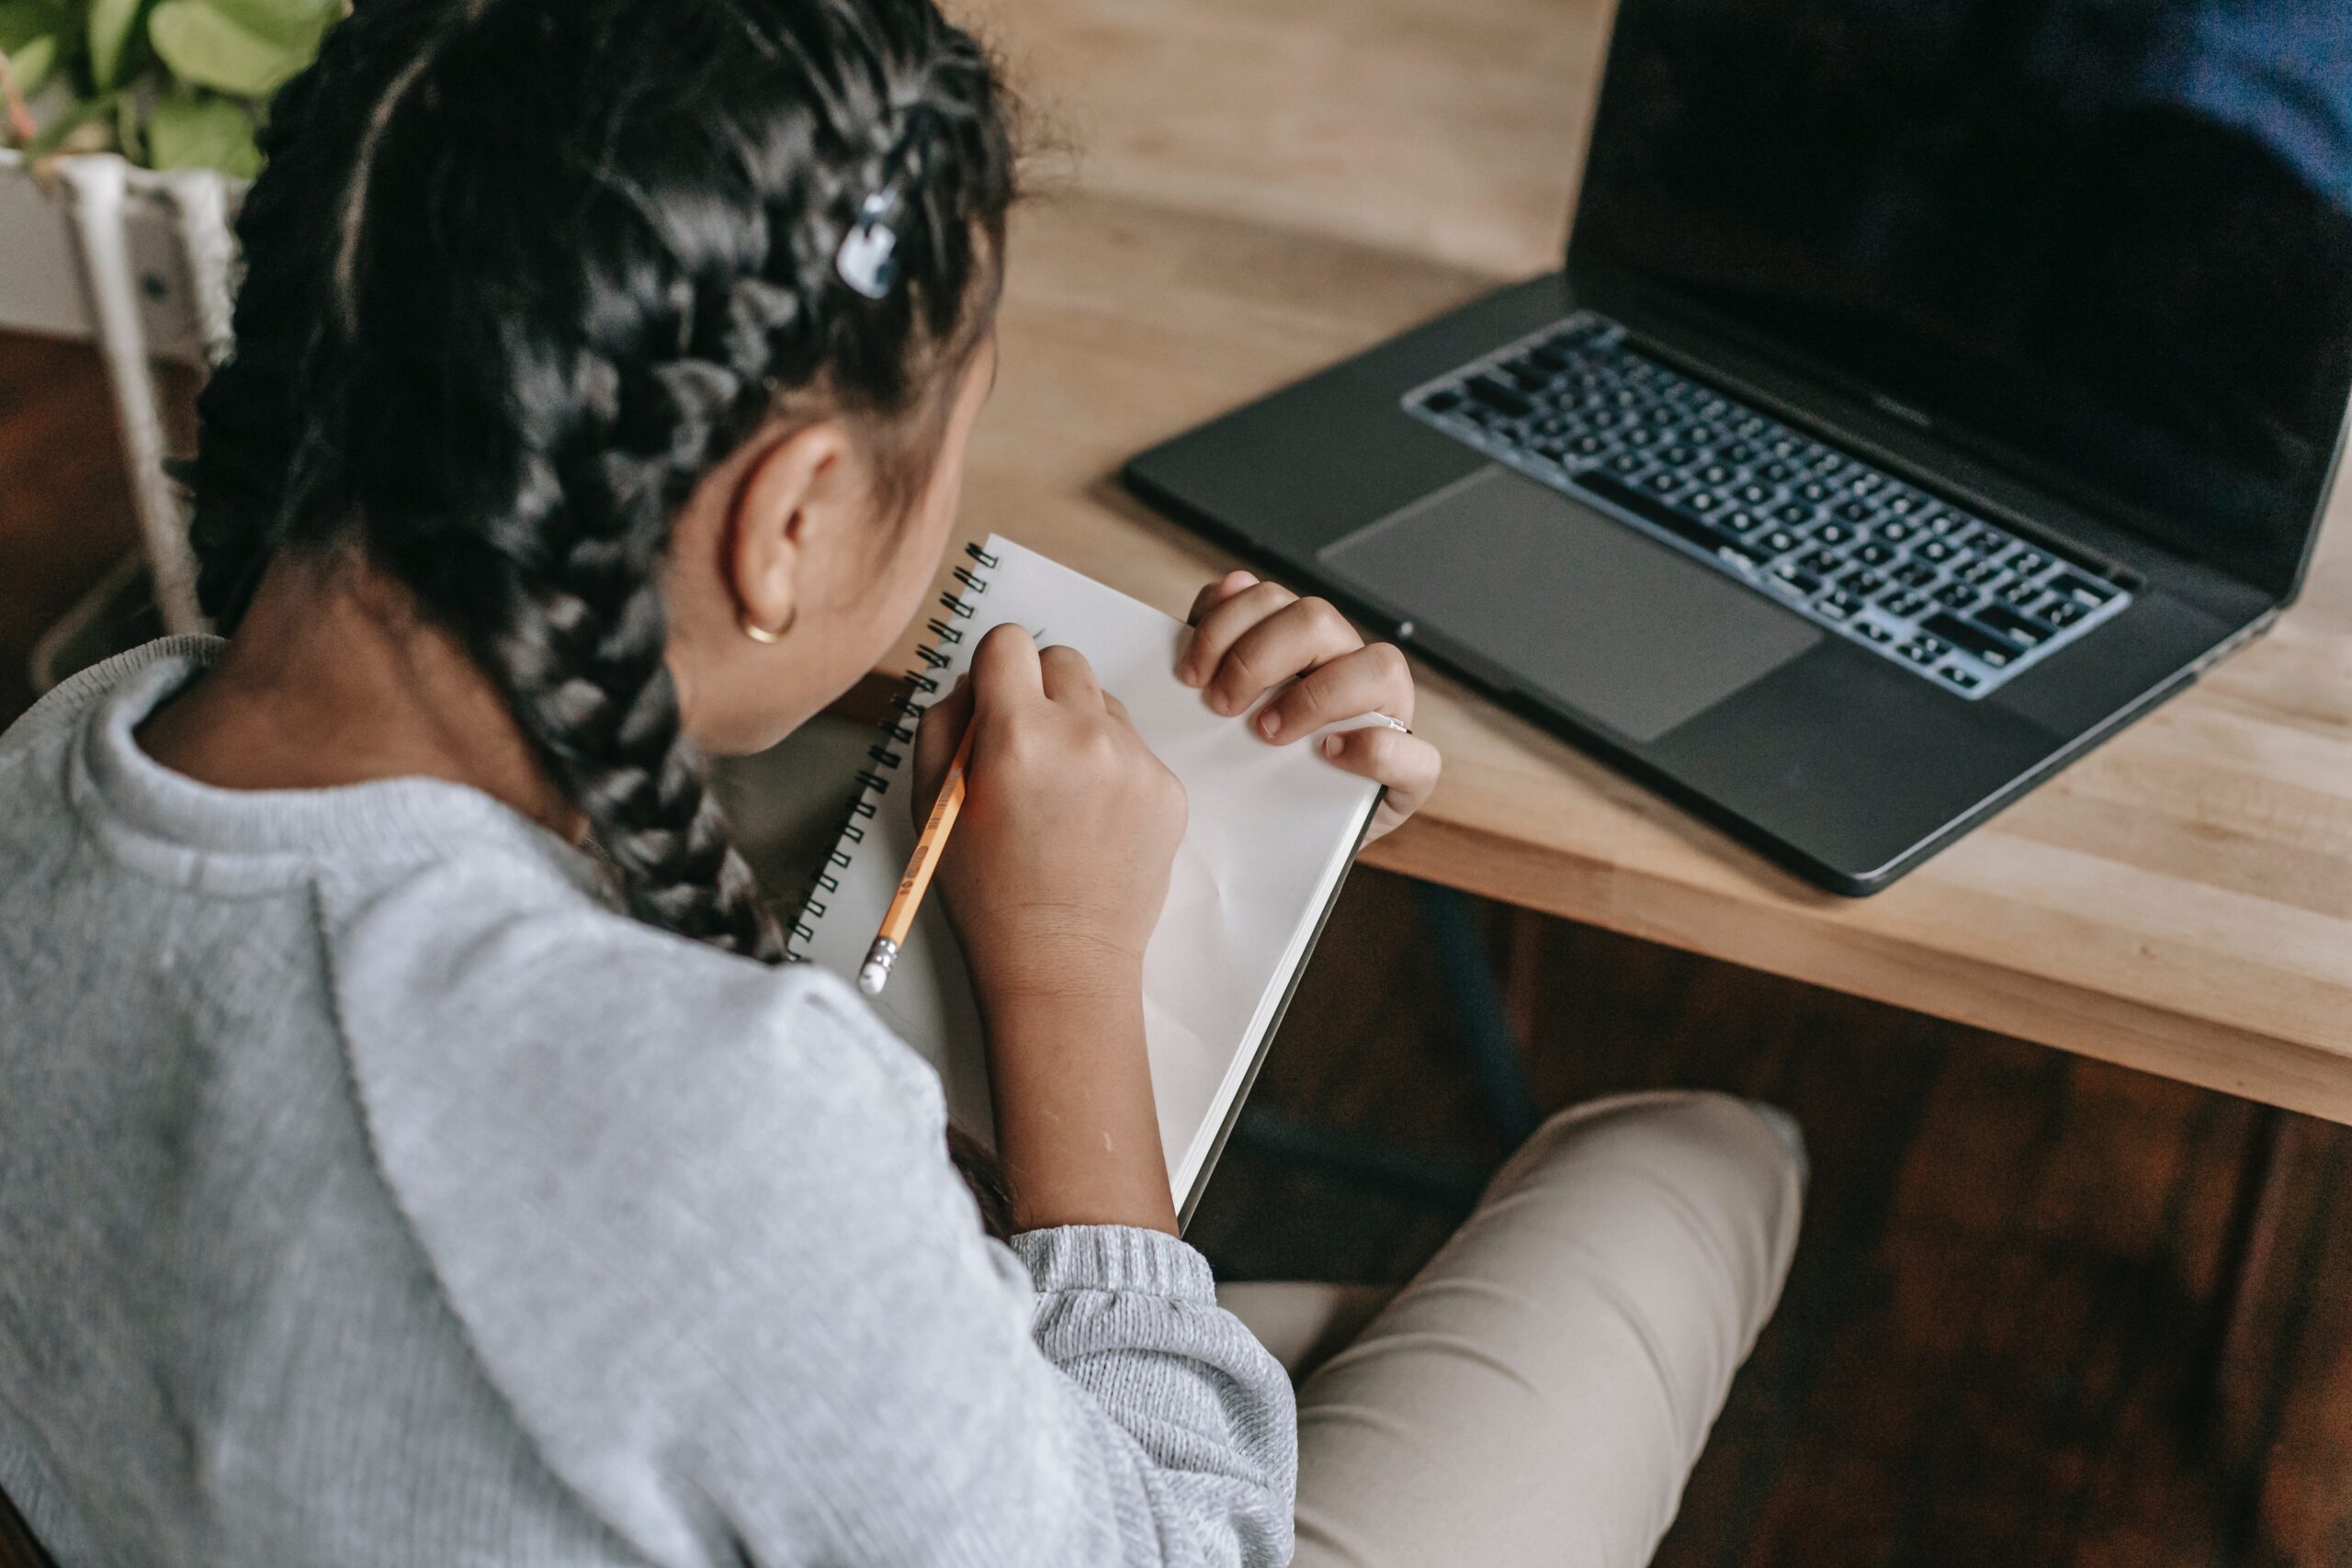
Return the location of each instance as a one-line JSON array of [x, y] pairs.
[[759, 634]]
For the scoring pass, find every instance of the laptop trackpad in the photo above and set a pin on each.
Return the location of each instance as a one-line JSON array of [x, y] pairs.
[[1569, 604]]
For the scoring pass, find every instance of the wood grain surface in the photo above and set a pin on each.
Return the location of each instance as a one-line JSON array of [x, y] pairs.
[[1227, 196]]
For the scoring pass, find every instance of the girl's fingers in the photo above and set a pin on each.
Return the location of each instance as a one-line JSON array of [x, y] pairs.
[[1005, 667], [1297, 637], [1407, 765], [1369, 680], [1068, 677], [1220, 626], [1217, 592]]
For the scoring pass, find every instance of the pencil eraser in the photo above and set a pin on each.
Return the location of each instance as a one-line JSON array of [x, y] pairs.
[[870, 977]]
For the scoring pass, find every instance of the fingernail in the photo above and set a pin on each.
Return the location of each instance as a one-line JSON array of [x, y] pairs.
[[1270, 723], [1334, 744]]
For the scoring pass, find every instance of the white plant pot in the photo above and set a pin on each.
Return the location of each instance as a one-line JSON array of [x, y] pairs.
[[139, 263], [42, 286]]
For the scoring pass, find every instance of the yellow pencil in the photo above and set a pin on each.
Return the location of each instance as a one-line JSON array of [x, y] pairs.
[[900, 918]]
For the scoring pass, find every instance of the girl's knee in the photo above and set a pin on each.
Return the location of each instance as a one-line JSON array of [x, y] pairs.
[[1718, 1150]]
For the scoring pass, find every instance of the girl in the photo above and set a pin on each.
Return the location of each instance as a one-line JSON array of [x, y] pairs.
[[410, 1151]]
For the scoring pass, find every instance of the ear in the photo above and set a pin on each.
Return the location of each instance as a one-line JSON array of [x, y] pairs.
[[787, 499]]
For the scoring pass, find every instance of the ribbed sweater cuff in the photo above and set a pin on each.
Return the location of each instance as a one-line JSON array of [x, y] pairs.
[[1116, 1257]]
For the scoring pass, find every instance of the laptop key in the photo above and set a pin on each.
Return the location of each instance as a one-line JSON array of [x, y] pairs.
[[1497, 397], [2021, 629], [1995, 652], [2082, 589], [1524, 373], [2022, 594], [1651, 510]]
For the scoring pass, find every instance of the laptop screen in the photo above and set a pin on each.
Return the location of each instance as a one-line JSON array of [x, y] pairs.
[[2107, 242]]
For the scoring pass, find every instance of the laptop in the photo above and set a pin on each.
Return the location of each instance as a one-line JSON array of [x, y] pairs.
[[1929, 390]]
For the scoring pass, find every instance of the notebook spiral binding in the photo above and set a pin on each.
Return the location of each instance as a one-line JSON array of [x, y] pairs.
[[917, 690]]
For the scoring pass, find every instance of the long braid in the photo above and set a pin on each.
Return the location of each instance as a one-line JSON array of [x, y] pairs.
[[507, 420]]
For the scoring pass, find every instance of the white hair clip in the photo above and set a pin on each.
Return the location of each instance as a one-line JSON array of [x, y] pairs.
[[868, 260]]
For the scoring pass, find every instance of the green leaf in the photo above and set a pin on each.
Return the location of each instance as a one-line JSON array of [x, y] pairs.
[[185, 130], [28, 62], [110, 30], [297, 24], [208, 49], [21, 21]]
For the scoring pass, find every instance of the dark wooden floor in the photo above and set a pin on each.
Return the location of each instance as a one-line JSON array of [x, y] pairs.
[[1992, 1345]]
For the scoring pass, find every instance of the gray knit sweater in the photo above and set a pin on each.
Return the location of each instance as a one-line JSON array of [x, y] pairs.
[[372, 1194]]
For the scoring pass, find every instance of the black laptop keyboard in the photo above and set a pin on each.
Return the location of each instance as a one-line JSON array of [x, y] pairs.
[[1928, 585]]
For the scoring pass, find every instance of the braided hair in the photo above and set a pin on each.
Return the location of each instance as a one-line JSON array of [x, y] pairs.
[[519, 272]]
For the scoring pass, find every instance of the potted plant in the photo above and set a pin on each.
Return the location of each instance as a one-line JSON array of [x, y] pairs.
[[174, 89]]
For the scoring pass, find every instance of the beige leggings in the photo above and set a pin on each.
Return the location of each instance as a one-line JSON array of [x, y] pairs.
[[1539, 1393]]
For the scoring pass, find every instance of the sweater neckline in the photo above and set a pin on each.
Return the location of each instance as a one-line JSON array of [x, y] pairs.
[[397, 818]]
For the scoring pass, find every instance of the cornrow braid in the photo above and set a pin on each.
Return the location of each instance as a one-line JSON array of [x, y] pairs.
[[521, 272]]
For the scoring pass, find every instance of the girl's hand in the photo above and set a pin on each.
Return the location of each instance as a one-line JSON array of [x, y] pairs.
[[1060, 859], [1249, 636]]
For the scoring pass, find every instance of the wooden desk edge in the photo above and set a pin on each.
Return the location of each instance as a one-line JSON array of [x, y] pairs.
[[1867, 963]]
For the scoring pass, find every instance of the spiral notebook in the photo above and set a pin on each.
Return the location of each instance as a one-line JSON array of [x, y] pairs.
[[1268, 837]]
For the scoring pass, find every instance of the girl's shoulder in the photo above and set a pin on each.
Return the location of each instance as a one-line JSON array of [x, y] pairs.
[[496, 1009]]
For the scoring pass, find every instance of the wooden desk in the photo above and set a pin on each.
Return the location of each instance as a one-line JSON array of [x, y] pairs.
[[1244, 192]]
